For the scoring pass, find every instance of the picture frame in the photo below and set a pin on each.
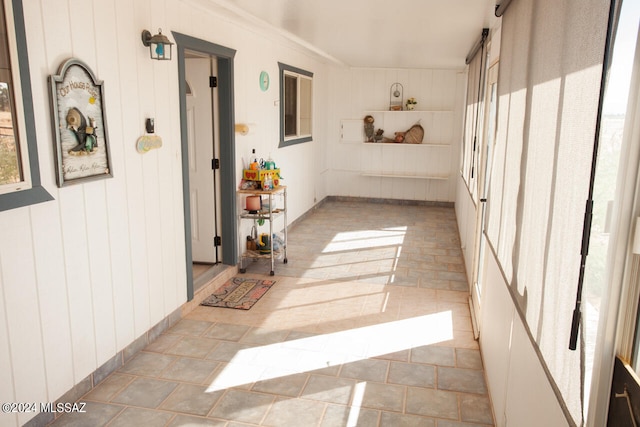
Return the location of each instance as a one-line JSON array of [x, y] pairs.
[[79, 125]]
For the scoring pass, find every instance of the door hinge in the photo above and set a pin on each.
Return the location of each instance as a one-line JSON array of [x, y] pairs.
[[215, 164], [213, 81], [217, 241]]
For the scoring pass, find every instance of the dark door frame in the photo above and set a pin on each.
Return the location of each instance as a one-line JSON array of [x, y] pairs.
[[228, 217]]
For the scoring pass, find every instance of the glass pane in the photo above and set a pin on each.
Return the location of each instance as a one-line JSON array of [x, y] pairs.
[[10, 170], [305, 106], [605, 194], [290, 105]]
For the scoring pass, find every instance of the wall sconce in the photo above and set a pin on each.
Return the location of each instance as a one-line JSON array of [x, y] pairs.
[[159, 45]]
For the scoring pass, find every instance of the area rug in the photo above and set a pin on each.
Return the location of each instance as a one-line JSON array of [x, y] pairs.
[[239, 293]]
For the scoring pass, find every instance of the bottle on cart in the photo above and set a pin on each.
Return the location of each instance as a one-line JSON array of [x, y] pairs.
[[253, 160]]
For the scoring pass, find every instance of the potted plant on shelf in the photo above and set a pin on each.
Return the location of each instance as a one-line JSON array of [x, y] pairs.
[[411, 103]]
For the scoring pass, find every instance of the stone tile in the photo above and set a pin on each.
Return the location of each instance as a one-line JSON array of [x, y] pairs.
[[338, 415], [226, 351], [400, 356], [476, 409], [105, 391], [193, 347], [432, 403], [433, 355], [405, 420], [263, 336], [147, 364], [190, 370], [468, 358], [366, 370], [191, 399], [190, 327], [243, 406], [163, 343], [96, 414], [412, 374], [145, 392], [317, 297], [443, 423], [463, 380], [190, 421], [294, 412], [385, 397], [289, 385], [227, 332], [141, 417], [329, 389]]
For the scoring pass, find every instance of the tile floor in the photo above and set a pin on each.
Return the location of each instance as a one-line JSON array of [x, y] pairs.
[[367, 325]]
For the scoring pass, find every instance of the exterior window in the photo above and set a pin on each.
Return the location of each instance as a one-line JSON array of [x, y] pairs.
[[19, 173], [296, 88]]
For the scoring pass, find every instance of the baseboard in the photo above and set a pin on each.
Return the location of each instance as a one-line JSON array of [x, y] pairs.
[[404, 202]]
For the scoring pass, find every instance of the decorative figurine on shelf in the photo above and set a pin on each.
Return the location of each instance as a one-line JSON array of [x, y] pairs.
[[395, 97], [411, 103], [378, 137], [368, 128]]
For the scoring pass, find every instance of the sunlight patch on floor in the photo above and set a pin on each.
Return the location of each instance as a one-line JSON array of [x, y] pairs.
[[366, 239], [322, 351]]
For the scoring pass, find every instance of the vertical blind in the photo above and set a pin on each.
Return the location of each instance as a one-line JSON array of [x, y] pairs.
[[473, 114], [548, 93]]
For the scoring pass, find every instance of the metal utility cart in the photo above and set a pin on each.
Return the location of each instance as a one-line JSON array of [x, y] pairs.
[[270, 215]]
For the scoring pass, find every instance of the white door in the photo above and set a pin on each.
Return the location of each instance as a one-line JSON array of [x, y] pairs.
[[201, 139]]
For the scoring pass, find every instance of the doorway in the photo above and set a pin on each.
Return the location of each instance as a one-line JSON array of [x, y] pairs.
[[203, 135], [205, 72]]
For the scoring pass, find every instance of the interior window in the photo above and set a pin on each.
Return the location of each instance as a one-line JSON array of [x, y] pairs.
[[19, 173], [296, 89]]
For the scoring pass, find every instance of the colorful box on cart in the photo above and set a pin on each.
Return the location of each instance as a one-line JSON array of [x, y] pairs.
[[261, 175]]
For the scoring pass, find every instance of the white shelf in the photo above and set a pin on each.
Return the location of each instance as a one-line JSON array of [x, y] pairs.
[[384, 144], [394, 175], [409, 111]]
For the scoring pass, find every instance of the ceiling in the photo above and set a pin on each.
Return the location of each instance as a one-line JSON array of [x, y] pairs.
[[376, 33]]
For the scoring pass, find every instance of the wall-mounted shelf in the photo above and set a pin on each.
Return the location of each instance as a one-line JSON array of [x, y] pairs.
[[402, 144], [396, 175], [409, 111]]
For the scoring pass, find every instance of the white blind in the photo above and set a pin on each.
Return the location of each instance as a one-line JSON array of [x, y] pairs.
[[548, 92], [473, 120]]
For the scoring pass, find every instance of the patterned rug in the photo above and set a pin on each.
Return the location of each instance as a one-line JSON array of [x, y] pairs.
[[239, 292]]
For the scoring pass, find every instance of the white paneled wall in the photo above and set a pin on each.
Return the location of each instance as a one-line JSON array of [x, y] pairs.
[[83, 276], [424, 171]]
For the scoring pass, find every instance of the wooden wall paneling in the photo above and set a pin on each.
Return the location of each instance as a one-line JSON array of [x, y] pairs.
[[83, 37], [426, 87], [116, 188], [130, 55], [381, 85], [76, 257], [7, 388], [180, 20], [57, 40], [40, 91], [22, 307], [439, 92], [53, 296], [165, 83], [98, 257], [146, 78]]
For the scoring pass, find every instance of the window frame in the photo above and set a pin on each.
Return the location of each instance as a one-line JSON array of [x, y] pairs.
[[288, 70], [25, 121]]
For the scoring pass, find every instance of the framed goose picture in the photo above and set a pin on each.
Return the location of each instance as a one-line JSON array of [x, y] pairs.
[[79, 125]]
